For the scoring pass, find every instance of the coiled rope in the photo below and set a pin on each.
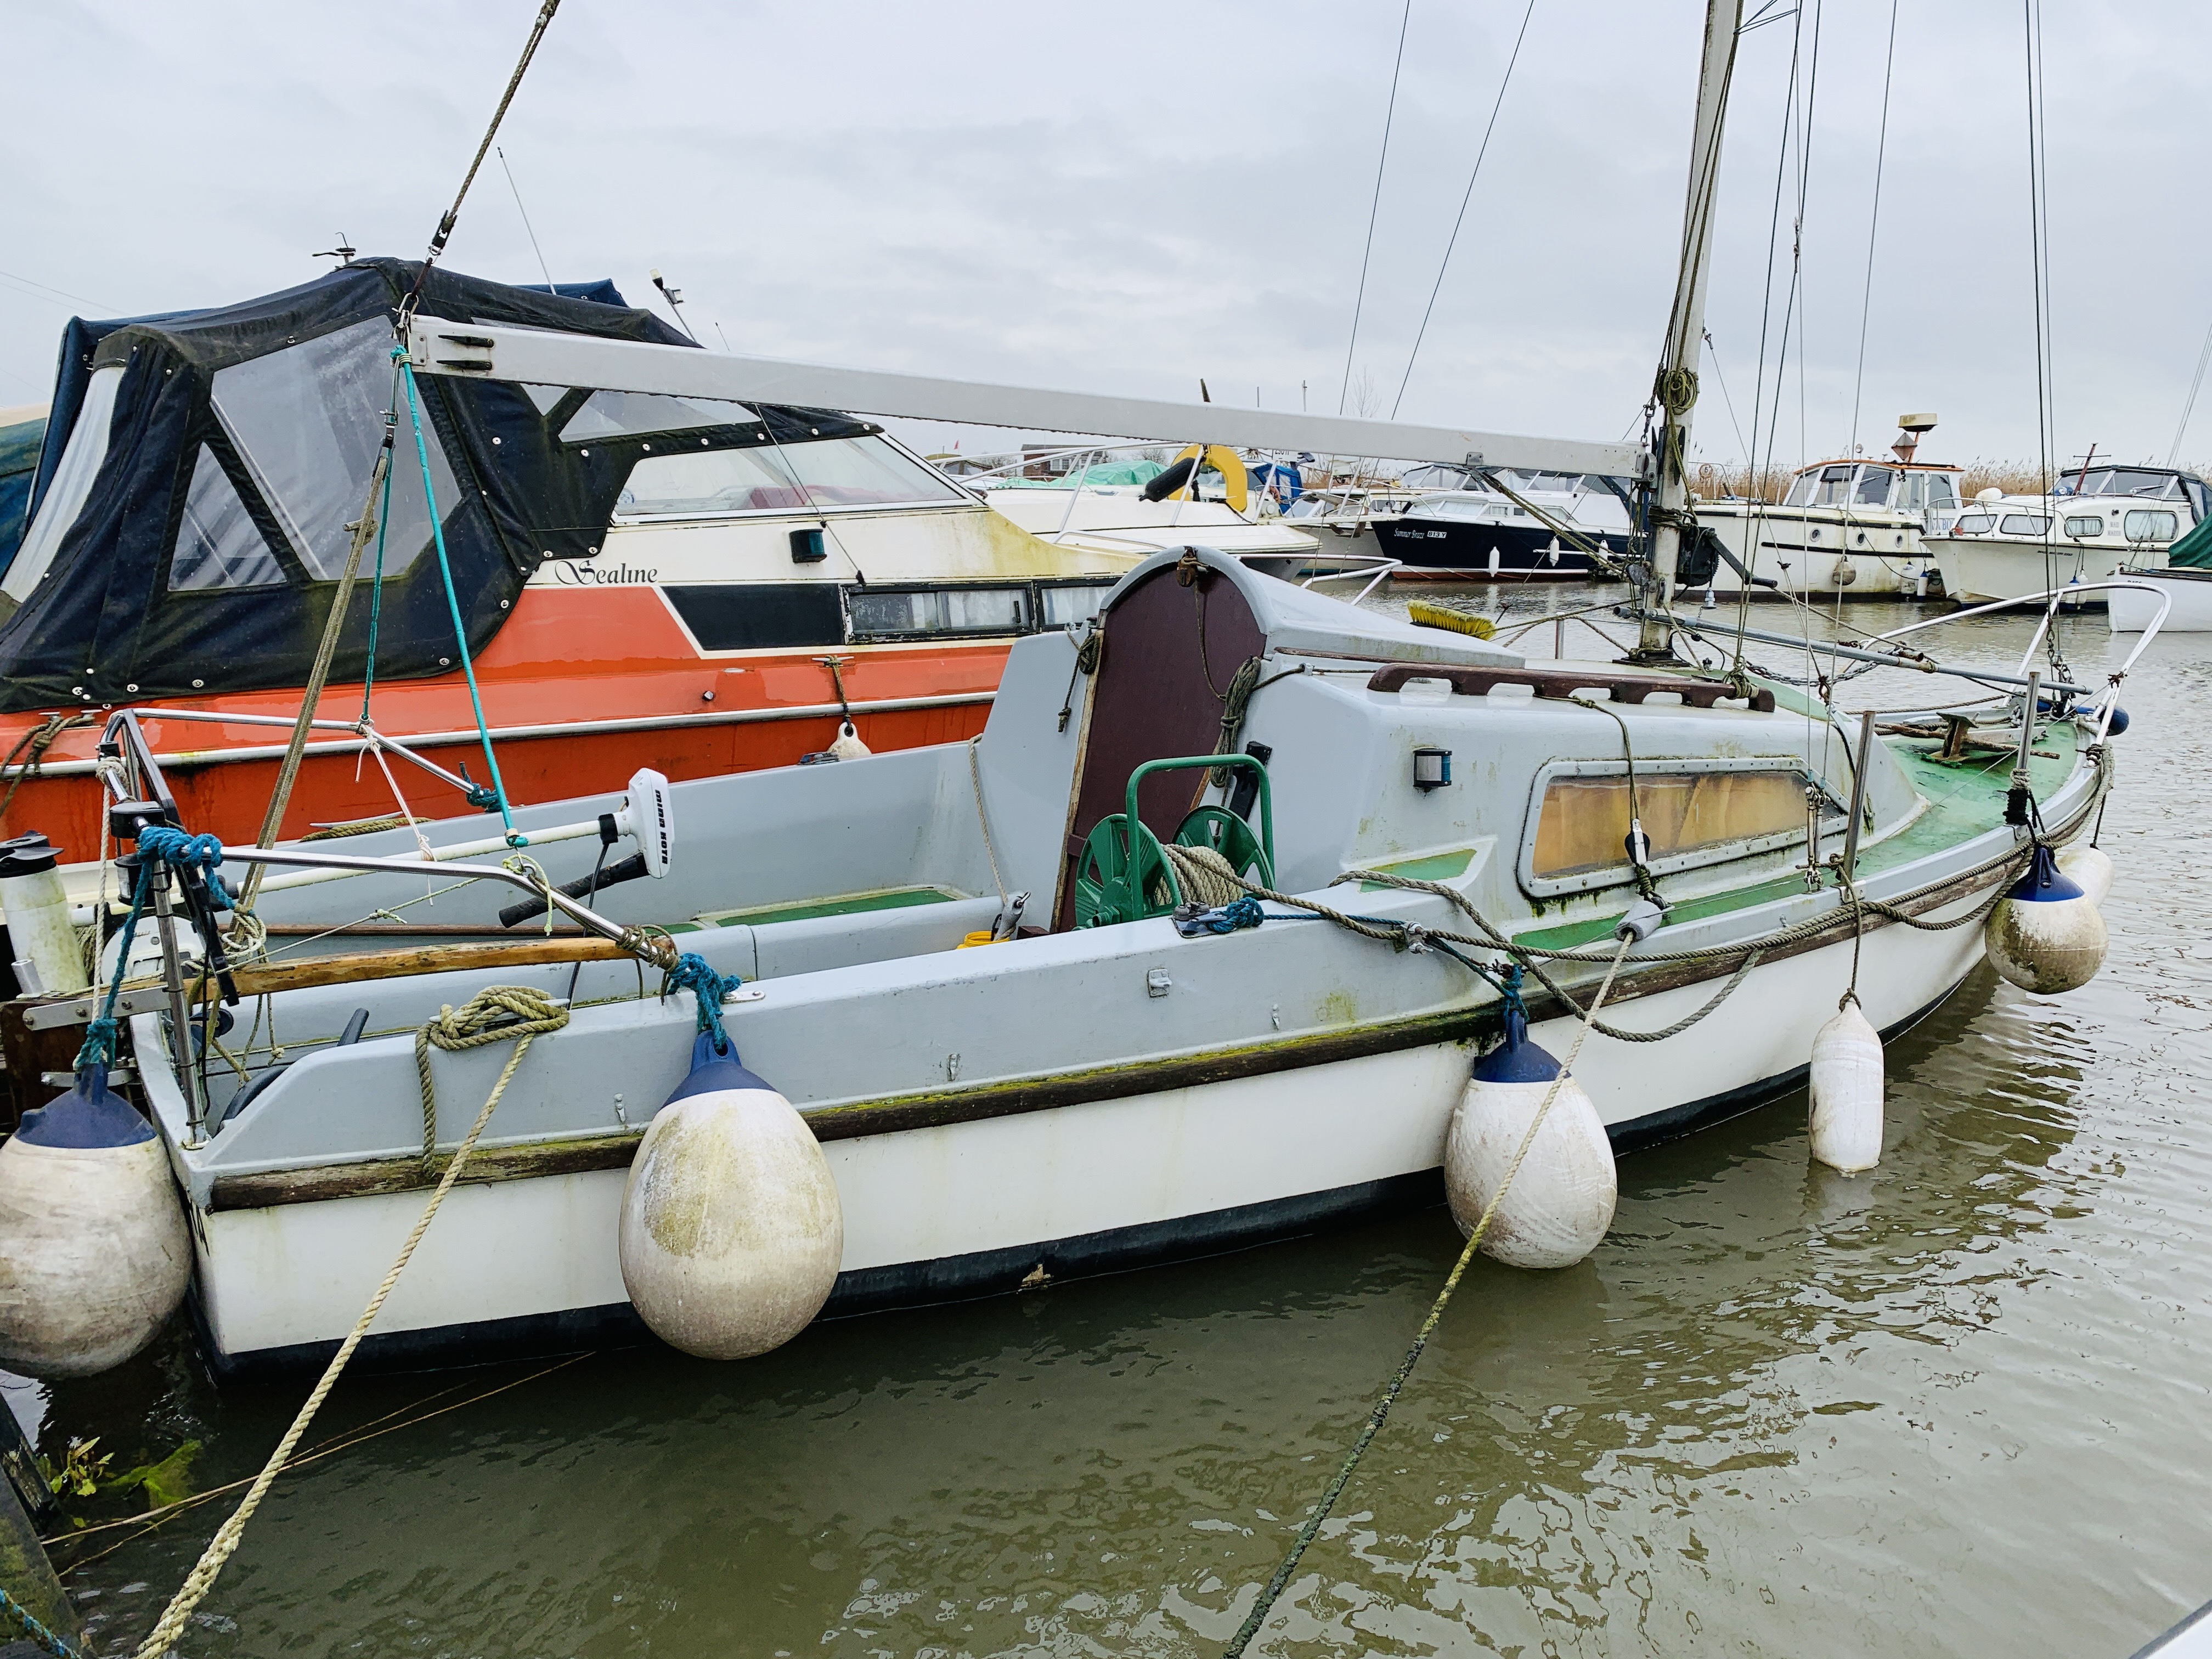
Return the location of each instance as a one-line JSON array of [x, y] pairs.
[[499, 1013], [1311, 1529]]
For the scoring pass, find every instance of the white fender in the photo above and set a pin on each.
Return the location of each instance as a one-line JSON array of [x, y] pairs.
[[849, 745], [2045, 934], [94, 1254], [731, 1233], [1562, 1200], [37, 912], [2090, 869], [1846, 1090]]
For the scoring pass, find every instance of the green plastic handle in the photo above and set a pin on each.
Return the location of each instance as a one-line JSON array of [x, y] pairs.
[[1184, 764]]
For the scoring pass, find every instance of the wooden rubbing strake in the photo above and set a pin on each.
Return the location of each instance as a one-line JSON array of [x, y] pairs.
[[1563, 683]]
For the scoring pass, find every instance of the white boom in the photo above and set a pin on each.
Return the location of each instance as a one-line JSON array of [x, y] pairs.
[[540, 357]]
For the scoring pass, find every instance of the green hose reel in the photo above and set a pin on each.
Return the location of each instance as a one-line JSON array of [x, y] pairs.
[[1123, 875]]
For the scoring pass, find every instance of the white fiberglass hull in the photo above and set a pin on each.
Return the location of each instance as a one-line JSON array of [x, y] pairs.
[[1806, 550], [975, 1207], [2132, 610], [1977, 570]]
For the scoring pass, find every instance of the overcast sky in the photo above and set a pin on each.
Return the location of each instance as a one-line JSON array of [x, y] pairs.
[[1128, 197]]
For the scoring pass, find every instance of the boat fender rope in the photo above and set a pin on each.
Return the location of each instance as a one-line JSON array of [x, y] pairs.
[[1088, 654], [1311, 1529], [694, 973], [469, 1027], [39, 1633]]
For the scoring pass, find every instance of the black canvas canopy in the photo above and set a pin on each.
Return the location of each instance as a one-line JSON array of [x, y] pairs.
[[199, 470]]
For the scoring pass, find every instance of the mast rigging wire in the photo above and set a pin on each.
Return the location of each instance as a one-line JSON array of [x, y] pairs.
[[453, 214], [528, 230], [1445, 265], [2204, 358], [1873, 224], [1389, 114]]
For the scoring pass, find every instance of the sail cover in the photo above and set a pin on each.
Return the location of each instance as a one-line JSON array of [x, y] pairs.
[[200, 470]]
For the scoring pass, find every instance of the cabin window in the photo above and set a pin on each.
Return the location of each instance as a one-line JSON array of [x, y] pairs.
[[626, 413], [2127, 481], [1435, 477], [218, 543], [1914, 496], [2141, 526], [308, 421], [65, 496], [878, 614], [1974, 524], [2091, 526], [1939, 492], [810, 478], [1873, 486], [1070, 604], [1582, 824], [2024, 524]]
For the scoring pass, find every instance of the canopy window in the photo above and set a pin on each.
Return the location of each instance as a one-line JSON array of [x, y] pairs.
[[817, 475]]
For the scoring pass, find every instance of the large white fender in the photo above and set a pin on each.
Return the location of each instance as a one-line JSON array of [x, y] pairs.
[[2045, 934], [1562, 1200], [2090, 869], [1846, 1088], [731, 1233], [94, 1254]]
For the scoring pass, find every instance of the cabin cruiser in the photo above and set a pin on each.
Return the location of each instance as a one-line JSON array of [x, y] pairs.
[[1845, 528], [1132, 508], [699, 586], [2006, 547], [1501, 524]]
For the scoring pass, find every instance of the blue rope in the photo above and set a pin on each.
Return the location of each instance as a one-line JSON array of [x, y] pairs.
[[1227, 919], [45, 1637], [453, 601], [158, 844], [694, 974]]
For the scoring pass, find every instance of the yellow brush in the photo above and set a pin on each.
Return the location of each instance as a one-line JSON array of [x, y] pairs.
[[1422, 614]]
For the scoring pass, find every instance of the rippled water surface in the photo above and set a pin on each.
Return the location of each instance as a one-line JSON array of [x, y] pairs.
[[1955, 1407]]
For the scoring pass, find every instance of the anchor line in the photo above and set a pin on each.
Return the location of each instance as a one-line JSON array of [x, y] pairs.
[[1311, 1529], [499, 1013]]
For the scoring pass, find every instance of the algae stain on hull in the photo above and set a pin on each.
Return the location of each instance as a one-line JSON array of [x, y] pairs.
[[1339, 1008]]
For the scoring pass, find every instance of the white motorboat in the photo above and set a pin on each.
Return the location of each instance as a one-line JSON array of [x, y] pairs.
[[1846, 528], [2183, 581], [2004, 547]]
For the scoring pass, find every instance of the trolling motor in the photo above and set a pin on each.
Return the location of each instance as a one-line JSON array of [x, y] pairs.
[[646, 816]]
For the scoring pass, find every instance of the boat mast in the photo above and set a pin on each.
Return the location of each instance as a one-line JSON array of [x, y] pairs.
[[1675, 389]]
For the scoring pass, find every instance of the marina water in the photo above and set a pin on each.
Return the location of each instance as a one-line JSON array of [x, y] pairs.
[[1954, 1405]]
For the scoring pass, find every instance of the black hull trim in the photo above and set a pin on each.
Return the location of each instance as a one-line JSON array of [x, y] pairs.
[[1464, 549], [996, 1273]]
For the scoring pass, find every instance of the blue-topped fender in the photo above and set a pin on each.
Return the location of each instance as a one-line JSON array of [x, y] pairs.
[[2044, 882], [1517, 1060], [86, 1117], [712, 1071]]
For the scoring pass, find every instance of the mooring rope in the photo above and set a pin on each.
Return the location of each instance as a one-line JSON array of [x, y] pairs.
[[39, 1633], [1311, 1529], [533, 1012]]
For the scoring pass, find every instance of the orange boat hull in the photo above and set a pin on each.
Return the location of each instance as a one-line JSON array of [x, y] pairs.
[[580, 689]]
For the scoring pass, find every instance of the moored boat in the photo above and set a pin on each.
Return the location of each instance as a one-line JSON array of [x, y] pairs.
[[2102, 517], [1844, 528], [697, 584], [1126, 1076]]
